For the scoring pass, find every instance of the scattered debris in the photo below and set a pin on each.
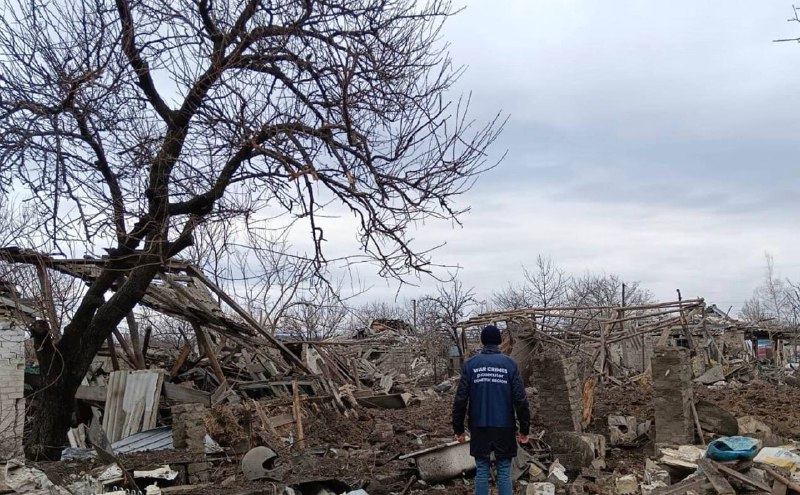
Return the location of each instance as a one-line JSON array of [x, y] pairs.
[[23, 479], [237, 411], [540, 489], [749, 425], [557, 474], [627, 431], [627, 485], [714, 419], [713, 375]]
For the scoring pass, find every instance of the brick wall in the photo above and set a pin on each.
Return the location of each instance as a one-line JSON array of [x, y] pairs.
[[560, 394], [673, 395], [189, 433], [12, 383], [637, 352]]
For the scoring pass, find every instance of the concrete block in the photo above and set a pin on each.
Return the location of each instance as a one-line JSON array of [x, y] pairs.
[[574, 450], [750, 424], [382, 432], [712, 375], [626, 485], [540, 489], [714, 419], [622, 430]]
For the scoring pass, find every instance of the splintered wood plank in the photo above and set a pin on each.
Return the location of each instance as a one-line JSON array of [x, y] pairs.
[[719, 483], [739, 476], [697, 484], [780, 480], [298, 417], [208, 349], [186, 395], [185, 351]]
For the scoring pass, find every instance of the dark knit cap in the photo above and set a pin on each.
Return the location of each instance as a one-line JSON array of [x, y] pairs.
[[490, 335]]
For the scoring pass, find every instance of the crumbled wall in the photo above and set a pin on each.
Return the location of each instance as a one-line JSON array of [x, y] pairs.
[[560, 393], [673, 395], [12, 383]]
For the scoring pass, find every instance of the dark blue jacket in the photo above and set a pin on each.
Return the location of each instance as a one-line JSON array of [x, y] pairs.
[[492, 388]]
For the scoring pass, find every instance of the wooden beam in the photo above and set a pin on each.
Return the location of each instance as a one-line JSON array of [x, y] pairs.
[[47, 294], [133, 330], [298, 417], [146, 342], [176, 393], [91, 392], [782, 480], [739, 476], [719, 483], [205, 344], [112, 350], [697, 423], [185, 351], [249, 319], [124, 345], [683, 487], [264, 420]]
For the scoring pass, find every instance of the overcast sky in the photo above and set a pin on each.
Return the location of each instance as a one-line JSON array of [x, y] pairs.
[[653, 140]]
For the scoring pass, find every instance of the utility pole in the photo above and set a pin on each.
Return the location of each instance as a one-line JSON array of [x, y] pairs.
[[414, 305]]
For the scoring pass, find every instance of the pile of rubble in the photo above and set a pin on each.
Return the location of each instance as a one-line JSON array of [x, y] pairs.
[[658, 399]]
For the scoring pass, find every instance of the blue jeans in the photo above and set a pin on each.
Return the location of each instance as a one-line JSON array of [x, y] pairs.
[[503, 476]]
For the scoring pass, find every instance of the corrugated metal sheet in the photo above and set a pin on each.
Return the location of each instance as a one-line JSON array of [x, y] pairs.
[[131, 402], [146, 441], [155, 439]]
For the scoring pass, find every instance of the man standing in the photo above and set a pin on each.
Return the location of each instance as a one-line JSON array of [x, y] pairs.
[[492, 388]]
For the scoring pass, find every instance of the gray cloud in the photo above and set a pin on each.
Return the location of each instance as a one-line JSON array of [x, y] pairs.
[[652, 140]]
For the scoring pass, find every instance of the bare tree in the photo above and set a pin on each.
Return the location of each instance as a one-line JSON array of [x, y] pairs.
[[771, 301], [441, 312], [315, 316], [129, 123], [753, 311], [360, 316], [54, 294], [546, 285], [605, 289]]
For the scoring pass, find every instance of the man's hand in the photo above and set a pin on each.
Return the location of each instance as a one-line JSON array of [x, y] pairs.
[[523, 439], [461, 438]]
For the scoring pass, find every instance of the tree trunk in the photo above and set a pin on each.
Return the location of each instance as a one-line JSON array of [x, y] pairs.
[[52, 408], [64, 364]]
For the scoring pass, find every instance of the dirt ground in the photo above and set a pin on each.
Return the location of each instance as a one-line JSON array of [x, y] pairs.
[[363, 452], [775, 405]]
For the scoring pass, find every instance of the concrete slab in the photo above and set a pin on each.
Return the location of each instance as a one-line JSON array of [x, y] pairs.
[[714, 419], [389, 401], [712, 375]]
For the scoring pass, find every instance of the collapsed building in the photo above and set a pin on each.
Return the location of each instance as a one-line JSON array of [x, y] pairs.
[[235, 403]]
